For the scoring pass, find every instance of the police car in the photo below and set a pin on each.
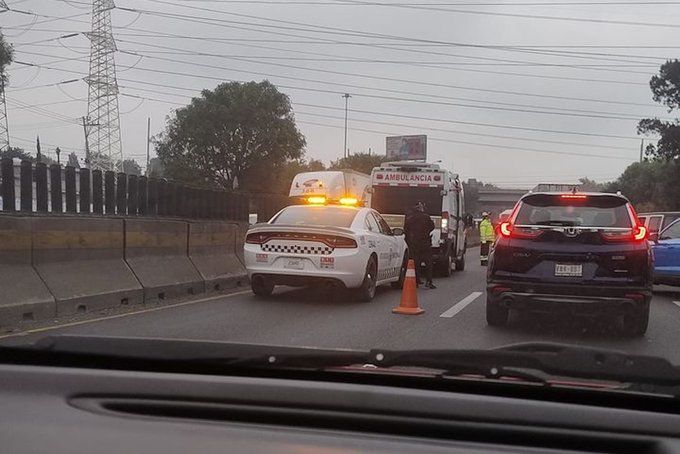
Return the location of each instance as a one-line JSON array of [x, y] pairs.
[[336, 246]]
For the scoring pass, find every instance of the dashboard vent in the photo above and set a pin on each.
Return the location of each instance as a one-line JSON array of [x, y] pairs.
[[486, 433]]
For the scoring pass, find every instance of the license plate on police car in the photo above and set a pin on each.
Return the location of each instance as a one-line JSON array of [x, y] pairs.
[[294, 264], [568, 269]]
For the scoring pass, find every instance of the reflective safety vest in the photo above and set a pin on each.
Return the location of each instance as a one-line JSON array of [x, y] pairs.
[[486, 233]]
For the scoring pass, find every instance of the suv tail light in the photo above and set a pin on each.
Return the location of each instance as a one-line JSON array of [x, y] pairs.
[[637, 233], [510, 231]]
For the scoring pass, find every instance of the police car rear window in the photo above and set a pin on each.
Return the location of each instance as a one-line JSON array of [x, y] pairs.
[[316, 215]]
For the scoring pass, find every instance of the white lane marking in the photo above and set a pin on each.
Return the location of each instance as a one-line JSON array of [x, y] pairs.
[[128, 314], [677, 303], [459, 306]]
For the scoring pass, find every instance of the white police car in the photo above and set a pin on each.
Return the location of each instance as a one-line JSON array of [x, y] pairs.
[[329, 245]]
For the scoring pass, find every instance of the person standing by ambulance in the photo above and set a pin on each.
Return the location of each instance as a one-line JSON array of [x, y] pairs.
[[418, 227], [486, 238]]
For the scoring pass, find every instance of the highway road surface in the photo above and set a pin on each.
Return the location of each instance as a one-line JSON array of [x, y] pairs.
[[454, 318]]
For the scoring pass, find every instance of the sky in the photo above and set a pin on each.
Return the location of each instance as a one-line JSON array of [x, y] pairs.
[[512, 92]]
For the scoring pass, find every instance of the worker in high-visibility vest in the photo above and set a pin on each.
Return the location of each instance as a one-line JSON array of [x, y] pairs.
[[486, 238]]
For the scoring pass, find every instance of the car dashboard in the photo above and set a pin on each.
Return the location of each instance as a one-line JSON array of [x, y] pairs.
[[73, 410]]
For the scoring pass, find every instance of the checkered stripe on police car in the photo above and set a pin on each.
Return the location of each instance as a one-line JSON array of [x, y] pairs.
[[297, 249]]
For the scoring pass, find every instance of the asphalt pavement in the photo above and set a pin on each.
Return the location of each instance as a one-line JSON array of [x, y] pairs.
[[454, 318]]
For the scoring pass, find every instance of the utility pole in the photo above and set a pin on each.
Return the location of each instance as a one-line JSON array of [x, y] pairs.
[[148, 140], [87, 143], [102, 96], [4, 126], [642, 146], [345, 152]]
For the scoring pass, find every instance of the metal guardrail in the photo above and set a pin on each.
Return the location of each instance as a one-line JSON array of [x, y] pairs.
[[41, 189]]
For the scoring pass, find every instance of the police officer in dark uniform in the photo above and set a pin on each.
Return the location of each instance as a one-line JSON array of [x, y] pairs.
[[418, 226]]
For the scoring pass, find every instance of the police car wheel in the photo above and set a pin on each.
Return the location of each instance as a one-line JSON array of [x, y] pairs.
[[262, 286], [366, 292]]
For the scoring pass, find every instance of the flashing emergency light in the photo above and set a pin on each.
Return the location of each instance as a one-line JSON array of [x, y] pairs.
[[316, 200], [349, 201]]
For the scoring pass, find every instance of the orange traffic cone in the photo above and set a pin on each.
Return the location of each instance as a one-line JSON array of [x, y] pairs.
[[409, 294]]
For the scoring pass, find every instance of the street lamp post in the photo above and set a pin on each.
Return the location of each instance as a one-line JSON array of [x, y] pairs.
[[345, 151]]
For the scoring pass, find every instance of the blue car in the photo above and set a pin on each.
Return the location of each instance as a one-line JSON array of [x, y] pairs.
[[666, 250]]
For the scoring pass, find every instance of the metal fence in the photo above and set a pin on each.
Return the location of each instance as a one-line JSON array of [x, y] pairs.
[[37, 188]]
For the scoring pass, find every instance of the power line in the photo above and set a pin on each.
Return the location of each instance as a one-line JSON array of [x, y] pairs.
[[529, 109], [489, 105], [221, 79], [330, 30], [507, 147], [515, 15], [389, 115]]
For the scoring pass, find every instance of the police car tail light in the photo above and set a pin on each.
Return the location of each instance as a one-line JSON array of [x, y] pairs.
[[340, 242], [257, 238]]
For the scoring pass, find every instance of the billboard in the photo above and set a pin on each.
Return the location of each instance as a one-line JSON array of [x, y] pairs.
[[403, 148]]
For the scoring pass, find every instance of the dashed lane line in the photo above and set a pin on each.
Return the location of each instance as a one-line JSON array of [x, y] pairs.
[[677, 303], [128, 314], [462, 304]]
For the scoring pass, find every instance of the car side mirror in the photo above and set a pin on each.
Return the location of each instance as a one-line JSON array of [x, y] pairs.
[[654, 236], [397, 231]]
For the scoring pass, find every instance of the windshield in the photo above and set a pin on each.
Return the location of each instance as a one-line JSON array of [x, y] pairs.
[[587, 212], [401, 200], [465, 175], [316, 215]]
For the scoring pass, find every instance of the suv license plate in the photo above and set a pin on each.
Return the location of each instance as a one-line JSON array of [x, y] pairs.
[[295, 264], [567, 269]]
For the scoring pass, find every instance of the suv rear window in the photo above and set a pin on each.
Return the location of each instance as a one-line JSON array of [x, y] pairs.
[[589, 211], [316, 215]]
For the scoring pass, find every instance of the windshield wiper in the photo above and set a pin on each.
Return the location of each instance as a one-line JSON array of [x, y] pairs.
[[532, 362], [193, 351], [547, 358]]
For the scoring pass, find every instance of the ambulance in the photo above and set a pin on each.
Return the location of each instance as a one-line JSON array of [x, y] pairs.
[[343, 187], [396, 187]]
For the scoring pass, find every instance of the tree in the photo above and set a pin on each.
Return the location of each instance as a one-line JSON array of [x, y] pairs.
[[361, 162], [16, 153], [665, 90], [264, 179], [131, 167], [73, 160], [588, 185], [156, 168], [649, 185], [6, 58], [225, 133]]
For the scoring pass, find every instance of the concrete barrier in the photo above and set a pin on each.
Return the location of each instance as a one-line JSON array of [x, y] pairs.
[[23, 295], [212, 251], [156, 250], [81, 262]]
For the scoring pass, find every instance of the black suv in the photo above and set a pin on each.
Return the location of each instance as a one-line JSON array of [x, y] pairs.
[[582, 253]]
